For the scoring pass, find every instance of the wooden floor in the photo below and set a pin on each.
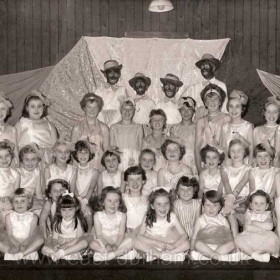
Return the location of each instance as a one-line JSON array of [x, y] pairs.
[[138, 269]]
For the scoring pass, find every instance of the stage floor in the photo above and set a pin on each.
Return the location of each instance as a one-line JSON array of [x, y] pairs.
[[138, 269]]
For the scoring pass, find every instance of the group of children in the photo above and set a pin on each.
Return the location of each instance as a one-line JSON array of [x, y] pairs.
[[125, 189]]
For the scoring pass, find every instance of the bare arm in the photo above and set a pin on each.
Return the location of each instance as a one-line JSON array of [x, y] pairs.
[[93, 184], [195, 232], [44, 217], [225, 181], [201, 185], [252, 184], [198, 139], [121, 230], [99, 184]]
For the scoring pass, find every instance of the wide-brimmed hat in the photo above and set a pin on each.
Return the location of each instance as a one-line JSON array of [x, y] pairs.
[[210, 58], [111, 64], [139, 76], [173, 79]]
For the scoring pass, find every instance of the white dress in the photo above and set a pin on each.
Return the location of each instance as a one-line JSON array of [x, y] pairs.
[[170, 108], [264, 178], [57, 173], [211, 182], [29, 179], [21, 224], [113, 180], [136, 210], [143, 107]]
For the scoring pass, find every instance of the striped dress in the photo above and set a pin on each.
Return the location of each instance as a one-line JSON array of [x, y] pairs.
[[186, 214]]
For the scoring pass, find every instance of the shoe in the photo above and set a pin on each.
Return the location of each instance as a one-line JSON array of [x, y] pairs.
[[98, 257], [261, 257], [58, 255], [179, 257]]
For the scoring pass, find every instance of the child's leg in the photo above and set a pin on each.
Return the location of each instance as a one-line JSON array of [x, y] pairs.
[[205, 250], [76, 248], [226, 248], [96, 245], [141, 245], [89, 222], [242, 245], [4, 247], [34, 244], [233, 224], [182, 247], [47, 251], [125, 247]]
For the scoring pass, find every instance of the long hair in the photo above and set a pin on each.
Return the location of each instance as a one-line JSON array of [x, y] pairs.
[[105, 191], [67, 201], [151, 217]]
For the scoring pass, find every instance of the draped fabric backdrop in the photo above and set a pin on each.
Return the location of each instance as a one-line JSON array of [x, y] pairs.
[[79, 72]]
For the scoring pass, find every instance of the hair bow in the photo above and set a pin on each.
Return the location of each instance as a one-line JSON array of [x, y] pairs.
[[115, 149], [186, 100], [67, 193], [6, 101], [38, 93]]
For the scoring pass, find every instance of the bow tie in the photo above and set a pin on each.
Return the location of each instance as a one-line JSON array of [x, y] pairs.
[[113, 87], [166, 100], [138, 98]]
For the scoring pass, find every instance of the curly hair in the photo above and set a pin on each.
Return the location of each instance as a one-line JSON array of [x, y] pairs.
[[67, 201], [91, 98], [151, 217], [260, 193], [188, 182], [208, 148], [82, 146], [105, 191], [168, 142]]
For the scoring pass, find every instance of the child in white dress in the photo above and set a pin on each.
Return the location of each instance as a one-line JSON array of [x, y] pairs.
[[147, 160], [24, 238], [212, 235], [210, 177], [235, 179], [34, 127], [262, 177], [112, 175], [30, 174], [127, 135], [109, 240], [136, 203], [60, 169], [237, 128], [69, 227], [54, 190], [187, 207], [87, 177], [258, 240], [9, 178], [169, 176], [161, 236]]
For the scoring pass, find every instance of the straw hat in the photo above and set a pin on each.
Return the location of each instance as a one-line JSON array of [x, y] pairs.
[[170, 78], [209, 58], [111, 64], [139, 76]]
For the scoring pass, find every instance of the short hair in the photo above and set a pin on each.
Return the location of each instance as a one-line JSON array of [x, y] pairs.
[[214, 197], [260, 148], [5, 146], [238, 141], [168, 142], [189, 182], [244, 107], [147, 151], [260, 193], [221, 93], [81, 146], [208, 148], [158, 112], [109, 153], [26, 150], [135, 170], [62, 182], [91, 97], [22, 192], [29, 98]]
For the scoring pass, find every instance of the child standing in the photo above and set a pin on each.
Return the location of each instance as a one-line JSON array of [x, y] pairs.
[[24, 238], [157, 137], [112, 93], [9, 178], [111, 176], [169, 176], [212, 236], [187, 206], [235, 178], [210, 178], [60, 169], [30, 174], [258, 240], [69, 227], [54, 190], [135, 202], [110, 225], [147, 160], [127, 135], [237, 128], [185, 130], [156, 237], [86, 178], [262, 177], [34, 127]]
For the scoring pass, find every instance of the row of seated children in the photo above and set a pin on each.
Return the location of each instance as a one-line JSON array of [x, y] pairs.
[[130, 223]]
